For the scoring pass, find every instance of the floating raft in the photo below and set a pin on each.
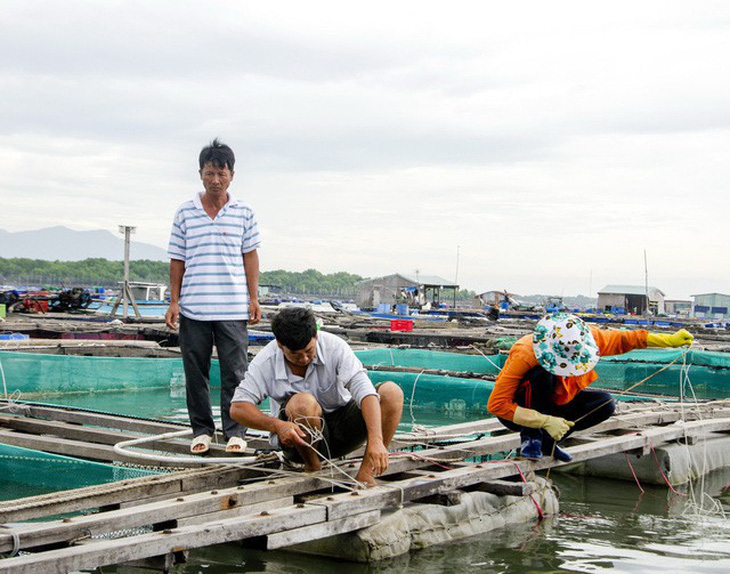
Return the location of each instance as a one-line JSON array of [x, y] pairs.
[[156, 519]]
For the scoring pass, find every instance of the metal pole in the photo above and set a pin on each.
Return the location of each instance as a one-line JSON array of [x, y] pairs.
[[646, 285], [125, 310], [126, 294], [456, 275]]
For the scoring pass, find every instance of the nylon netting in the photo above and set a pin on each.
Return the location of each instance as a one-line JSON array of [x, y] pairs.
[[28, 472]]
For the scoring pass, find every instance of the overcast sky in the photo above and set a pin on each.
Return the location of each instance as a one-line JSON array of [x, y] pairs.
[[548, 143]]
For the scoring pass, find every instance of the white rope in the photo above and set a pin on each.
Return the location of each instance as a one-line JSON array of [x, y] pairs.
[[5, 385], [410, 405], [318, 436], [704, 505], [121, 449], [16, 541], [14, 406], [478, 350], [250, 462]]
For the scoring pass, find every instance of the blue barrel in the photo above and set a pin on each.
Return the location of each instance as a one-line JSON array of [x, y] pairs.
[[401, 309]]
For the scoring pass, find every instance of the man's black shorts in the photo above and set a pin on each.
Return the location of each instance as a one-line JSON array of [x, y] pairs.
[[343, 430]]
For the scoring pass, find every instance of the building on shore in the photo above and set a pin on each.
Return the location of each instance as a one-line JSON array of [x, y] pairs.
[[678, 307], [418, 292], [631, 299], [497, 298], [711, 305]]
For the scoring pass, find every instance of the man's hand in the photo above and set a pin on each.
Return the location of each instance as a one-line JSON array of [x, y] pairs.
[[291, 434], [171, 316], [254, 312], [374, 463]]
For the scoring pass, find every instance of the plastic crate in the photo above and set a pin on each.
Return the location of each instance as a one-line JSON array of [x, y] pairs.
[[401, 325]]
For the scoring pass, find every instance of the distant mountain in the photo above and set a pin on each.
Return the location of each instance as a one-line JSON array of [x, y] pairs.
[[64, 244]]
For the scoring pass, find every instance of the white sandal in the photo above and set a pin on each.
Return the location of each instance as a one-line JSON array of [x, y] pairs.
[[200, 440], [236, 444]]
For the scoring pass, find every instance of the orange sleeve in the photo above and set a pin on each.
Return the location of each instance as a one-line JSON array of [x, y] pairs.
[[521, 360], [615, 342]]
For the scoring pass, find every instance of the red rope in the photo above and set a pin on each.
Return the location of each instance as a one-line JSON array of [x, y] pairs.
[[540, 512], [660, 469], [626, 456]]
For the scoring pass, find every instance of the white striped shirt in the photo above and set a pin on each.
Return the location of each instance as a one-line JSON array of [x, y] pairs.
[[214, 286]]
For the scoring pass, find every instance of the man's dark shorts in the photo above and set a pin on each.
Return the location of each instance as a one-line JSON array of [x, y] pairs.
[[344, 430]]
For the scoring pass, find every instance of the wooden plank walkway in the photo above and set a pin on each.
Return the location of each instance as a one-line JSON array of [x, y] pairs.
[[91, 435], [164, 515]]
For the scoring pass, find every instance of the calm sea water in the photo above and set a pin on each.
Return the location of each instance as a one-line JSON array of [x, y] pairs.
[[603, 524]]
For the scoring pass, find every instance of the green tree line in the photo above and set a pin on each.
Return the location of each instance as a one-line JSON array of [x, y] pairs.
[[97, 271], [311, 282], [88, 272]]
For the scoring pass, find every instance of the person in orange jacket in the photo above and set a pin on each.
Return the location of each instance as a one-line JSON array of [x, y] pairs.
[[542, 388]]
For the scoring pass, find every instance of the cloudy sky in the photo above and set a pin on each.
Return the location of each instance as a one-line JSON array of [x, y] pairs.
[[547, 143]]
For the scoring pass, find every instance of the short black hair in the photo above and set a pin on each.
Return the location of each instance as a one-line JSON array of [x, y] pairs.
[[294, 327], [217, 154]]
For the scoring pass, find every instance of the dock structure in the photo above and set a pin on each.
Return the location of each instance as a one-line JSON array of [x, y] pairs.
[[155, 520]]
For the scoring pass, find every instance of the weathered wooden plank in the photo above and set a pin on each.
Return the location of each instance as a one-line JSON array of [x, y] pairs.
[[629, 413], [168, 509], [75, 448], [322, 530], [243, 510], [119, 422], [96, 553], [130, 490], [101, 420], [74, 431]]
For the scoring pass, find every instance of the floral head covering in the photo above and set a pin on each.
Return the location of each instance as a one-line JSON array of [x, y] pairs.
[[564, 346]]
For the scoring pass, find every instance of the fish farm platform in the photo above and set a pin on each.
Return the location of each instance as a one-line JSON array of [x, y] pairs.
[[154, 520]]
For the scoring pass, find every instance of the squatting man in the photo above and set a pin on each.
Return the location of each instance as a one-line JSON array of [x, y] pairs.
[[323, 405]]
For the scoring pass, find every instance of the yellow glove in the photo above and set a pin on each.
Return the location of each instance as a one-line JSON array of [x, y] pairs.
[[678, 339], [556, 427]]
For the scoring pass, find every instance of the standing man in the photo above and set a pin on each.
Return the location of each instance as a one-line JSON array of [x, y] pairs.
[[214, 279], [323, 405], [542, 389]]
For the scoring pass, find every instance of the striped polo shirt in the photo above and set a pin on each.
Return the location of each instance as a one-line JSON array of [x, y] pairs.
[[214, 286]]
